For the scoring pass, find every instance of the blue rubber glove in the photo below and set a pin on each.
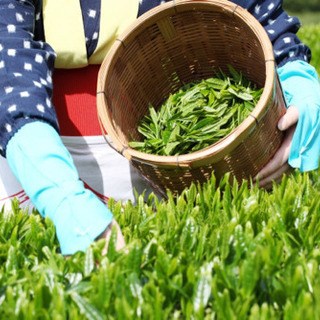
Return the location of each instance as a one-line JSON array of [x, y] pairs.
[[46, 171], [301, 88]]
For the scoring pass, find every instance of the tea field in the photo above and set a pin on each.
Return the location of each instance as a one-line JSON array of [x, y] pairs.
[[310, 34], [226, 252]]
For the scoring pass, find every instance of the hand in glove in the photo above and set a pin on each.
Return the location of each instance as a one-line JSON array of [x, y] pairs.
[[46, 171], [301, 146]]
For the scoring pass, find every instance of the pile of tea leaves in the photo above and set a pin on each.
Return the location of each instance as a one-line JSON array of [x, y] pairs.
[[198, 115]]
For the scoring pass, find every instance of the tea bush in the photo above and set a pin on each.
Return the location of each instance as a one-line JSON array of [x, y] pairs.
[[226, 252], [310, 35], [301, 5]]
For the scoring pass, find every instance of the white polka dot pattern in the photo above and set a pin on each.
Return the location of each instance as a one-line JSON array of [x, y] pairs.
[[25, 64]]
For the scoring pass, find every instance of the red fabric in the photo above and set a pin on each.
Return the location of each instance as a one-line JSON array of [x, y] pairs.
[[74, 99]]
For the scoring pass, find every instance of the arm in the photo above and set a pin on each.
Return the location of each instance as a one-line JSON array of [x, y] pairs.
[[25, 71], [301, 87], [29, 137], [281, 29], [289, 53], [301, 146]]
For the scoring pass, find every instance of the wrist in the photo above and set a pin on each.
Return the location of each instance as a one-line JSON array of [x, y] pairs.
[[300, 83]]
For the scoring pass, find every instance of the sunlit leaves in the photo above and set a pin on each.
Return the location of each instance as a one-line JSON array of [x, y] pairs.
[[198, 115], [214, 252]]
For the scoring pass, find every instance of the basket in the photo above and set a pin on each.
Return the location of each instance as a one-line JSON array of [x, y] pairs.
[[176, 43]]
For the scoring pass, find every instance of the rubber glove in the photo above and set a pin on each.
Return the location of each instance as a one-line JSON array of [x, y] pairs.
[[46, 171], [300, 84]]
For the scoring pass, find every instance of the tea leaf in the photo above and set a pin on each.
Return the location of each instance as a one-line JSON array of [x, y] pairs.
[[197, 115]]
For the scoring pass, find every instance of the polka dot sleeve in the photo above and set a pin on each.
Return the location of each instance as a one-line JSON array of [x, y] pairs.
[[281, 29], [26, 67]]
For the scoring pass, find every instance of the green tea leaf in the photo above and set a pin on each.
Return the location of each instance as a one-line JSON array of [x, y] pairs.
[[197, 115], [86, 308], [88, 262]]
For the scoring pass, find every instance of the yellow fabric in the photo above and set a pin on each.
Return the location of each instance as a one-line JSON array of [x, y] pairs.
[[116, 16], [64, 29]]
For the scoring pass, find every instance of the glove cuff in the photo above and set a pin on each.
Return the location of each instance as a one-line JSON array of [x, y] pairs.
[[47, 173], [300, 82]]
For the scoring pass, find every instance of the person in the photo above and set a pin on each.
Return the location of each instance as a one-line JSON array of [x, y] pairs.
[[67, 170]]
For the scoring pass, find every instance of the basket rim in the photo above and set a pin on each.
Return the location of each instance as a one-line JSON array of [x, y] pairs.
[[221, 148]]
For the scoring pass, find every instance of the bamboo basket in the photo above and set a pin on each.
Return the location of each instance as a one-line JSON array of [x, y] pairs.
[[176, 43]]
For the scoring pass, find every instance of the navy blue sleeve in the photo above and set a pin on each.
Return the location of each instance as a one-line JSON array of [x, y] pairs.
[[280, 27], [26, 67], [91, 21]]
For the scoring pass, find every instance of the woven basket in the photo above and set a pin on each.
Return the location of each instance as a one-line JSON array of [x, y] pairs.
[[176, 43]]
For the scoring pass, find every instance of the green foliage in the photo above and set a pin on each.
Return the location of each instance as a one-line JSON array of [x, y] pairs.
[[197, 115], [301, 5], [218, 252], [310, 35], [307, 18]]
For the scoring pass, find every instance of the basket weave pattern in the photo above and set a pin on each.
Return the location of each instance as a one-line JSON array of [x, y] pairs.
[[177, 43]]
